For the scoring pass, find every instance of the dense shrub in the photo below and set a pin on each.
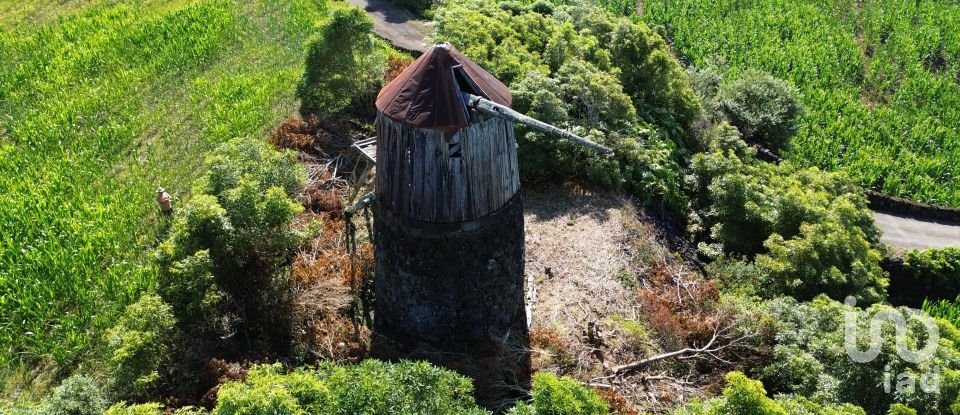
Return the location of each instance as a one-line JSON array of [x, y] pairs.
[[542, 6], [143, 409], [932, 274], [228, 246], [807, 231], [651, 74], [595, 98], [706, 83], [744, 396], [562, 396], [764, 108], [138, 346], [77, 395], [811, 359], [344, 63], [371, 387]]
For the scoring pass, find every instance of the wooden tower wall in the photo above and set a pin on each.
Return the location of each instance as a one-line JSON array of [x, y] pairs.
[[423, 176]]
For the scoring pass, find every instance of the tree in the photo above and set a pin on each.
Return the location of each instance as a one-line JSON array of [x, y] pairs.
[[343, 63], [221, 267], [811, 359], [809, 231], [765, 109], [650, 74], [138, 346]]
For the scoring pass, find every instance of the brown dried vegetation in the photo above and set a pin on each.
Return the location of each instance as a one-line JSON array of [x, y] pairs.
[[618, 404], [396, 64], [326, 282], [327, 279], [607, 302]]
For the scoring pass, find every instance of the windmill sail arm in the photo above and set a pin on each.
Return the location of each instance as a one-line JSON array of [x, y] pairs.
[[488, 107]]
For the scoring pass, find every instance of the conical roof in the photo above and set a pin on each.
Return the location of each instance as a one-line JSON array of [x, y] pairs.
[[427, 94]]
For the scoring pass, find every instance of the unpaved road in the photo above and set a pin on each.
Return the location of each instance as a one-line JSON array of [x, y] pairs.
[[910, 233], [398, 26], [404, 31]]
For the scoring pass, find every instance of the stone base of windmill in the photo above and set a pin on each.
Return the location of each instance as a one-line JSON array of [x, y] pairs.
[[453, 294]]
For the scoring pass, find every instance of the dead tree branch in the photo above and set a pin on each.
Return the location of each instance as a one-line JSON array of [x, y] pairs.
[[717, 343]]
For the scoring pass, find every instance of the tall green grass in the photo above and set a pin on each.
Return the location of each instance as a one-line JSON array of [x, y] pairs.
[[945, 309], [880, 79], [97, 108]]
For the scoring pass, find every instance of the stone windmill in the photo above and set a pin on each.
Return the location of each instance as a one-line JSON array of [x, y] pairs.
[[448, 221]]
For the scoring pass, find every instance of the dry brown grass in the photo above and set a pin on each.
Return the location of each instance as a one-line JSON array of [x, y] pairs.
[[575, 248], [327, 279], [296, 134], [609, 292], [618, 404], [396, 65]]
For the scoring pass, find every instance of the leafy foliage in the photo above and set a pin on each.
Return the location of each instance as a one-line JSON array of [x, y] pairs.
[[138, 346], [810, 358], [562, 396], [343, 62], [143, 409], [649, 72], [228, 245], [77, 395], [371, 387], [807, 232], [763, 108], [932, 274], [744, 396]]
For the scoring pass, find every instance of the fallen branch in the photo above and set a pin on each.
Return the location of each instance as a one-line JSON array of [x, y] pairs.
[[710, 349]]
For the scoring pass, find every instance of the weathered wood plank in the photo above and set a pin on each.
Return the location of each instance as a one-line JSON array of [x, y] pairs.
[[420, 177]]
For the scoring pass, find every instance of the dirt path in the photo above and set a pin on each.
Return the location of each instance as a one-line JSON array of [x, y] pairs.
[[908, 233], [398, 26]]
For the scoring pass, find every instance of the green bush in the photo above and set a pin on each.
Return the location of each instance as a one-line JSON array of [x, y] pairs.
[[937, 264], [564, 396], [764, 108], [138, 346], [650, 74], [808, 232], [594, 97], [77, 395], [927, 274], [899, 409], [706, 82], [744, 396], [372, 387], [542, 6], [345, 63], [811, 360], [228, 246], [143, 409]]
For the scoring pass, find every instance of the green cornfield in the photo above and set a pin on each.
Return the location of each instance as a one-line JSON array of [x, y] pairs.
[[945, 309], [100, 103], [880, 79]]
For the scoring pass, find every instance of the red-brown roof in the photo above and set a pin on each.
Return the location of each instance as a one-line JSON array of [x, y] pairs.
[[427, 94]]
